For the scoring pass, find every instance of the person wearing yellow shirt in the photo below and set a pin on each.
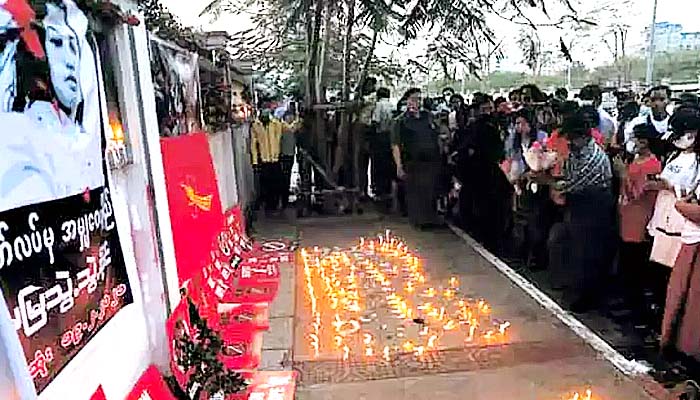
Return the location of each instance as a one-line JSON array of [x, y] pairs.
[[266, 138]]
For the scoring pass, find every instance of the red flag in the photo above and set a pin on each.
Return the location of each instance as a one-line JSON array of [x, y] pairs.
[[193, 198]]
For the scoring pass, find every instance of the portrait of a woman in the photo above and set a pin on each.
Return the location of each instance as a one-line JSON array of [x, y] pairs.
[[55, 110]]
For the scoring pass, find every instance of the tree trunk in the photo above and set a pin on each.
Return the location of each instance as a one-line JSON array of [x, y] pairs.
[[308, 88], [366, 64], [318, 130], [314, 40], [344, 131], [311, 122], [321, 129], [323, 57]]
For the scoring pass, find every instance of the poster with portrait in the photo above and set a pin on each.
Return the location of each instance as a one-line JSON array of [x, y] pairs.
[[62, 270], [177, 89]]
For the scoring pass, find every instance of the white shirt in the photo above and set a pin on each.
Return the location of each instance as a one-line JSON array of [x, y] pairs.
[[608, 124], [383, 115], [452, 120], [47, 157], [682, 172], [661, 126]]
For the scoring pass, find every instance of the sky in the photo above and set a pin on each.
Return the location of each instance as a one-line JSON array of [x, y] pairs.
[[593, 53]]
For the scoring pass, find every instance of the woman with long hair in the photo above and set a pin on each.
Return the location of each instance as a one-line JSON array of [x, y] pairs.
[[57, 149], [680, 178], [681, 327], [532, 207]]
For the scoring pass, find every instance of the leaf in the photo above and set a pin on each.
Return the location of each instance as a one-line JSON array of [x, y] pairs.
[[587, 22], [565, 50], [211, 7]]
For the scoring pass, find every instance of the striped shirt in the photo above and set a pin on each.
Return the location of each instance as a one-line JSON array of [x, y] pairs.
[[587, 169]]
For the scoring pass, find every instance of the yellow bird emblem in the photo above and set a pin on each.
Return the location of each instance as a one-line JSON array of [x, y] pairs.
[[199, 201]]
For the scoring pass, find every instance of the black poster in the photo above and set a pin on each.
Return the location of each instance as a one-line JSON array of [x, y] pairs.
[[62, 270], [63, 276]]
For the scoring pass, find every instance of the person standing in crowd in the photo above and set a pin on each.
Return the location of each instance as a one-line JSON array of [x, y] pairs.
[[680, 330], [578, 246], [380, 145], [363, 131], [653, 112], [681, 327], [561, 94], [266, 135], [288, 146], [491, 193], [447, 94], [592, 95], [459, 114], [520, 140], [532, 215], [679, 178], [636, 206], [417, 156], [623, 141]]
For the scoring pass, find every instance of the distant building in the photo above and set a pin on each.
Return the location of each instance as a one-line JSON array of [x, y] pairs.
[[690, 41], [666, 38], [670, 37]]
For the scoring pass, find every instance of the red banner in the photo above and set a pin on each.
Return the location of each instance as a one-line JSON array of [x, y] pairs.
[[193, 197], [151, 386], [242, 348]]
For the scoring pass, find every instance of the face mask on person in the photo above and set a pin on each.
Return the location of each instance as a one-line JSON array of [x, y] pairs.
[[413, 106], [685, 142], [644, 110]]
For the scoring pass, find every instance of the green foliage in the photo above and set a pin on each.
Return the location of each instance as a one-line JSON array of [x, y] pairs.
[[200, 353], [160, 21]]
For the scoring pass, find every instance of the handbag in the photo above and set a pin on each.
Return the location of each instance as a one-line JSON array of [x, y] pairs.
[[665, 227]]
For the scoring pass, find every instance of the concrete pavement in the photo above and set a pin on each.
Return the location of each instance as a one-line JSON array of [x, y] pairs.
[[543, 359]]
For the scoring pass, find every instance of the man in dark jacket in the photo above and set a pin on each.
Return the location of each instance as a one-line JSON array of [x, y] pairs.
[[416, 152]]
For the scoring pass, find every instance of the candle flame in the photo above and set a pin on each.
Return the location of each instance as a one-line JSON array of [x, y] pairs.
[[341, 287], [502, 328], [419, 351], [450, 325], [431, 342], [368, 338], [385, 353], [409, 287]]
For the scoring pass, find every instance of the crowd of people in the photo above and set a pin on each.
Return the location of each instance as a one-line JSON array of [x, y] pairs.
[[561, 185]]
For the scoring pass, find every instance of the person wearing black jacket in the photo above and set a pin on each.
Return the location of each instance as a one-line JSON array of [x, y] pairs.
[[417, 155]]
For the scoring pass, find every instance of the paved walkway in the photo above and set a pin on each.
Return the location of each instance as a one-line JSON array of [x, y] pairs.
[[542, 360]]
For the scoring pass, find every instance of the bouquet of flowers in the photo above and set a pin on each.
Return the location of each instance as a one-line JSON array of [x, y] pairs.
[[538, 158]]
